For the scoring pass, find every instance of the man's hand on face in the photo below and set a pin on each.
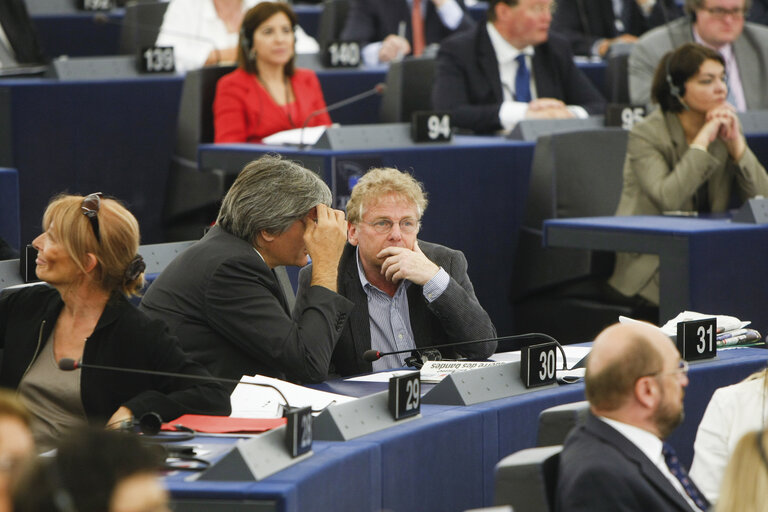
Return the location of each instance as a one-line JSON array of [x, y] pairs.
[[402, 263]]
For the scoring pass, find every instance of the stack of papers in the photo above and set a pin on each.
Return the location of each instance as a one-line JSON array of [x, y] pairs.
[[262, 402]]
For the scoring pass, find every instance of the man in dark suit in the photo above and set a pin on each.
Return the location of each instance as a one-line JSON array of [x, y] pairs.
[[593, 26], [19, 33], [510, 69], [617, 459], [222, 298], [379, 25], [407, 293]]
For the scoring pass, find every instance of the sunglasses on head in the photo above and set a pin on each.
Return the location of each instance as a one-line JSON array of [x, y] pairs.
[[90, 207]]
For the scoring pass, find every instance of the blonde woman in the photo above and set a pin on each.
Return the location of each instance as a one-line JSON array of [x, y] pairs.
[[87, 253], [744, 486]]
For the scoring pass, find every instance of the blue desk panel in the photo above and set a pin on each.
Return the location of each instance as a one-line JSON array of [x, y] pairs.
[[476, 189], [707, 265], [77, 34], [443, 461], [113, 136]]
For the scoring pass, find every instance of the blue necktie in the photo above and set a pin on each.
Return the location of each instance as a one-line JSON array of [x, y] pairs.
[[673, 463], [522, 80]]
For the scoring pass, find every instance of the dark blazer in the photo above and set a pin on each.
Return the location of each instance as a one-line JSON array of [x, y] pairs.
[[455, 316], [20, 32], [467, 81], [123, 337], [584, 22], [600, 469], [369, 21], [227, 308]]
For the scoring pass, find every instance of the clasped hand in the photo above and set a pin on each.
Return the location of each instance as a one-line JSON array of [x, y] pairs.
[[722, 122], [402, 263]]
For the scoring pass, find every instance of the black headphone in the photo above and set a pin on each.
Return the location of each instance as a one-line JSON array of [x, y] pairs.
[[675, 91], [246, 42]]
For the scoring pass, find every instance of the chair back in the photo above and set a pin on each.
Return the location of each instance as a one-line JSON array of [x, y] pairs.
[[556, 422], [409, 89], [195, 124], [577, 174], [527, 479], [332, 20], [141, 25], [617, 78]]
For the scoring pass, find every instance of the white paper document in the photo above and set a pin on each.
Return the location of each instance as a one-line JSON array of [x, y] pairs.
[[297, 136], [262, 402]]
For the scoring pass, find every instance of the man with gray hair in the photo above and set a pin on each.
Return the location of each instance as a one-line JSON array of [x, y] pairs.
[[408, 293], [618, 460], [221, 297], [719, 25]]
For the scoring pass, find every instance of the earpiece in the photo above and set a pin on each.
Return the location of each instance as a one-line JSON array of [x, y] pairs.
[[675, 90], [246, 42]]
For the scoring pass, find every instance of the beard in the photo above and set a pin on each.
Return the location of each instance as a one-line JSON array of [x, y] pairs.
[[668, 415]]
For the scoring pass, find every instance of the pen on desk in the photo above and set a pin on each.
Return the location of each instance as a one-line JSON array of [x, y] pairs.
[[400, 33]]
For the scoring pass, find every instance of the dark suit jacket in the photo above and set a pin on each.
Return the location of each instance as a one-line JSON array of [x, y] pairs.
[[584, 22], [600, 469], [467, 81], [369, 21], [454, 316], [227, 309], [20, 32]]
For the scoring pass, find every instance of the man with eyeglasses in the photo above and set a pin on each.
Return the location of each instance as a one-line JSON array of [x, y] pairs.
[[511, 68], [407, 293], [618, 460], [717, 24]]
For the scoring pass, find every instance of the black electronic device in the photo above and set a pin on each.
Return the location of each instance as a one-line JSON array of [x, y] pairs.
[[697, 339], [538, 365], [405, 395], [431, 127]]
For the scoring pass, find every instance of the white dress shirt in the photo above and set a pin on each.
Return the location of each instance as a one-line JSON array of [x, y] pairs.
[[732, 412]]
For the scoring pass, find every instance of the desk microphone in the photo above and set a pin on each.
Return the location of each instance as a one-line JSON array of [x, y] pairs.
[[374, 355], [377, 89], [68, 364]]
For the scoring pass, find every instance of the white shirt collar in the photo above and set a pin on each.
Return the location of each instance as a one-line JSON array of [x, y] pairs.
[[505, 52], [646, 441]]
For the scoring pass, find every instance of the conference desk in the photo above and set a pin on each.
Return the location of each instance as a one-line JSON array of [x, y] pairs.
[[476, 188], [113, 136], [707, 265], [442, 461]]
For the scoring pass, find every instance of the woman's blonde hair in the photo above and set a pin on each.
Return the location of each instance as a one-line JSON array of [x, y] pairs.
[[119, 266], [745, 482]]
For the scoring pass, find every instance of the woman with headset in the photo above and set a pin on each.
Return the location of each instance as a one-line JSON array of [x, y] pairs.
[[266, 93], [686, 156]]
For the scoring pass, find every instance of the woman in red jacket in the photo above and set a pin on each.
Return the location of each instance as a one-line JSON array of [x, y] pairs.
[[266, 93]]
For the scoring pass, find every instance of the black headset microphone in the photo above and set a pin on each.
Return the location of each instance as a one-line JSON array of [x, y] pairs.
[[376, 89], [374, 355]]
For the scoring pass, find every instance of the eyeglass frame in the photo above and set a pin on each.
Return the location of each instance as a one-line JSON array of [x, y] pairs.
[[682, 368], [91, 212], [720, 13], [391, 223]]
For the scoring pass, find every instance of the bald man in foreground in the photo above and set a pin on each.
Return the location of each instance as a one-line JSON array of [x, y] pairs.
[[617, 460]]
